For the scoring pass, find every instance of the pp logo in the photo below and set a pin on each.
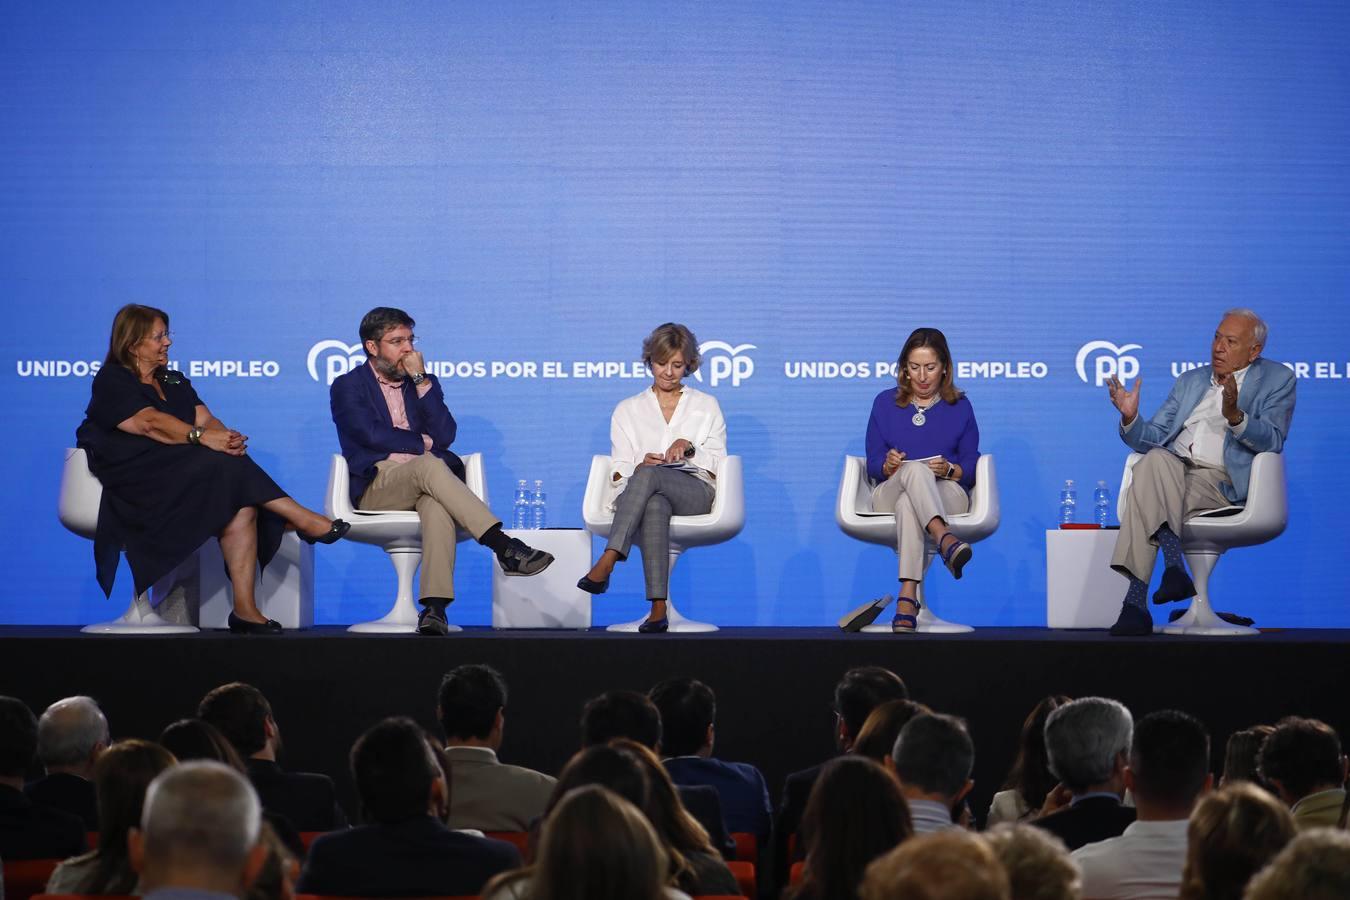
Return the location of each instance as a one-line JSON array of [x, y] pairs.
[[1110, 361], [336, 357], [725, 363]]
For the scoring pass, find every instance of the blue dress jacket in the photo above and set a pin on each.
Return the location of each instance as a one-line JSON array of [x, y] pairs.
[[367, 433]]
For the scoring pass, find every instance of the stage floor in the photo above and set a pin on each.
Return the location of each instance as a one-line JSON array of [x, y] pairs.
[[774, 685]]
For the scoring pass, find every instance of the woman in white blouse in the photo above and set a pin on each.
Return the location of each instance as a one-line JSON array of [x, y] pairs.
[[666, 446]]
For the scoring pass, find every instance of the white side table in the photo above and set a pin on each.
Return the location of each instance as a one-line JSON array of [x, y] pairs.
[[1081, 589], [550, 599]]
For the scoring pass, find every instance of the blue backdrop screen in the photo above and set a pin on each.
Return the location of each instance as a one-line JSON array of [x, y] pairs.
[[1065, 189]]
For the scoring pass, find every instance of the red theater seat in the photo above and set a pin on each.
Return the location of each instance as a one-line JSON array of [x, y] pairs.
[[795, 874], [520, 838], [747, 846], [307, 838], [25, 878]]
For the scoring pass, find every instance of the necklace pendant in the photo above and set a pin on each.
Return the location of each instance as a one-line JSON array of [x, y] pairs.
[[918, 419]]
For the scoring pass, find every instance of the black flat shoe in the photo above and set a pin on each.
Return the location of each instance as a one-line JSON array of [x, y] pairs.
[[1176, 585], [1134, 621], [655, 626], [593, 587], [330, 536], [243, 626]]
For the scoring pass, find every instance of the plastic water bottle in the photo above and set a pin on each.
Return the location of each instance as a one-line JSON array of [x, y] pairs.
[[1101, 504], [522, 515], [537, 507], [1068, 502]]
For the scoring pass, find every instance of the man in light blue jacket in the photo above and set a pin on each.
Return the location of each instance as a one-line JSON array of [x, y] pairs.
[[1198, 456]]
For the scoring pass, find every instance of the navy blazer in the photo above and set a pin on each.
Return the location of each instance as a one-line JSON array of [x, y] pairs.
[[367, 433], [740, 786]]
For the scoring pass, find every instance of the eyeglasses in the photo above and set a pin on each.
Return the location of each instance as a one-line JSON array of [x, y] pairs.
[[400, 341], [161, 336]]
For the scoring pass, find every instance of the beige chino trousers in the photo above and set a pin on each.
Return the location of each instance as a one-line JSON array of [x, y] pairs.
[[917, 496], [442, 501], [1164, 490]]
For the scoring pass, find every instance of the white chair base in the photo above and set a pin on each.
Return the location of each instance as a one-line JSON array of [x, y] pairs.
[[1201, 620], [402, 617], [140, 618], [678, 624]]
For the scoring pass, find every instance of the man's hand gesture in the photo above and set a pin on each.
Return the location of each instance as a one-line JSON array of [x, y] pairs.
[[1230, 394], [1125, 401]]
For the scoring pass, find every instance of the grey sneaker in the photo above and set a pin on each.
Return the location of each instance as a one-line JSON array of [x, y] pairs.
[[522, 559]]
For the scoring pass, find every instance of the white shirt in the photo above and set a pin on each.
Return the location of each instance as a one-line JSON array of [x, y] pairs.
[[638, 428], [929, 816], [1144, 863], [1202, 434]]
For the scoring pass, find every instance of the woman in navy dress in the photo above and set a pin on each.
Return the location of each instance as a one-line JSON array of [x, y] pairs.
[[922, 446], [173, 475]]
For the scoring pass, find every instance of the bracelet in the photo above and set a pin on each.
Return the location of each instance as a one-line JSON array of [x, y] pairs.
[[194, 435]]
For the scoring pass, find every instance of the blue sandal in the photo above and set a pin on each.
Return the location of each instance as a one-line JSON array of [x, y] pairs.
[[957, 554], [906, 623]]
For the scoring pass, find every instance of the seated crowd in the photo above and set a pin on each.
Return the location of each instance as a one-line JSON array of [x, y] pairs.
[[1097, 805]]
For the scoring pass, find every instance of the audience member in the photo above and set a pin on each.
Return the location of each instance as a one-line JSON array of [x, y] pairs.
[[933, 758], [946, 865], [1087, 747], [71, 734], [596, 846], [1241, 756], [404, 847], [29, 830], [198, 838], [688, 712], [860, 691], [488, 794], [697, 865], [1037, 863], [1314, 866], [241, 713], [189, 739], [628, 714], [856, 813], [1030, 779], [1302, 761], [1234, 833], [876, 739], [1168, 771], [121, 777]]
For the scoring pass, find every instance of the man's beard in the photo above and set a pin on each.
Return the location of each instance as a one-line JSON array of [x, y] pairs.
[[388, 370]]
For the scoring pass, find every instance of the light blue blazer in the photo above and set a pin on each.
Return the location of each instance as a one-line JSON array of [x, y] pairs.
[[1267, 397]]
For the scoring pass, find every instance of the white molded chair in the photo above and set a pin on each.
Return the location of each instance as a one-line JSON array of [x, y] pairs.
[[399, 532], [722, 523], [856, 518], [81, 494], [1204, 538]]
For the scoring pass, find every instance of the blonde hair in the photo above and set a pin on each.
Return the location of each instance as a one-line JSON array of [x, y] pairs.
[[1037, 863], [1314, 866], [665, 340], [1233, 833], [944, 865], [595, 846]]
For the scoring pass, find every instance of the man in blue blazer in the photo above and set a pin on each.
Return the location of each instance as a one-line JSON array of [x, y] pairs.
[[396, 432], [1198, 456]]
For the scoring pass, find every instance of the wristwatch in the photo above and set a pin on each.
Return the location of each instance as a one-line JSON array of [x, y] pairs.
[[418, 378], [950, 469], [195, 434], [689, 451]]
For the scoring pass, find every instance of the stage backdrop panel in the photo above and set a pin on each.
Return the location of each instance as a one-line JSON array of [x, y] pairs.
[[1067, 190]]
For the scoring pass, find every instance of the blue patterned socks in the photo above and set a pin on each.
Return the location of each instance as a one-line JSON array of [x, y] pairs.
[[1171, 547]]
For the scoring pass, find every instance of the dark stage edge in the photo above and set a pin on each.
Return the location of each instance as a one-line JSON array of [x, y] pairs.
[[774, 685]]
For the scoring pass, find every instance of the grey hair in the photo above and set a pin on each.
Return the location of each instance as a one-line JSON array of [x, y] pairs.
[[1259, 328], [201, 814], [69, 730], [1084, 737]]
